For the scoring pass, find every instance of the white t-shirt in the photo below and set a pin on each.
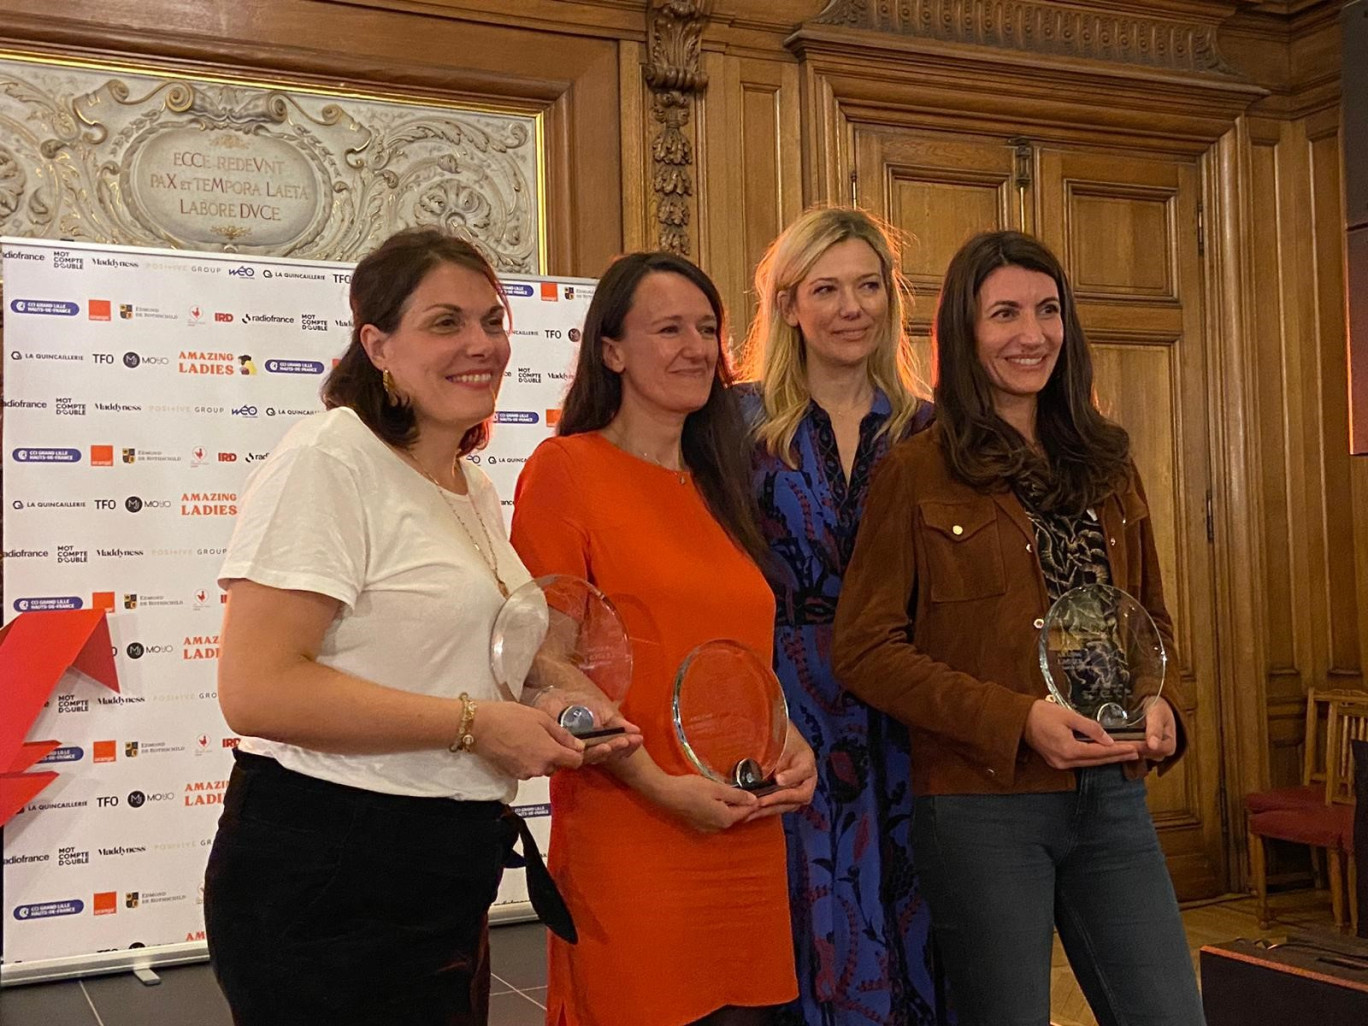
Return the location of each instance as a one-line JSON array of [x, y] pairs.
[[335, 511]]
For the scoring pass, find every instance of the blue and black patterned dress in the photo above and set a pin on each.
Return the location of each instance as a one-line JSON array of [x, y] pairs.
[[861, 930]]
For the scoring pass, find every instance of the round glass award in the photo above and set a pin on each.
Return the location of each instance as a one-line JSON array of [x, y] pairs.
[[730, 715], [560, 633], [1102, 656]]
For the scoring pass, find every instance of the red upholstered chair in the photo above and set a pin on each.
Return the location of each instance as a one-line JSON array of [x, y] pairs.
[[1327, 824], [1310, 793]]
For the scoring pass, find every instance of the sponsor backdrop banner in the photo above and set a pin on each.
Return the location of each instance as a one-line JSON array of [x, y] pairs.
[[141, 387]]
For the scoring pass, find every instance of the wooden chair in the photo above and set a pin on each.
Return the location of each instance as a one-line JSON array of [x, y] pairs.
[[1348, 723], [1305, 814]]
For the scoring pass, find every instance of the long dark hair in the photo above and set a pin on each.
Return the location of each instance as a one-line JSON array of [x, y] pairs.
[[1086, 456], [715, 441], [380, 289]]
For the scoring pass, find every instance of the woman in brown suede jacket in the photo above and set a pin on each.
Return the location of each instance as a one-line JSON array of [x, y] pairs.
[[1019, 492]]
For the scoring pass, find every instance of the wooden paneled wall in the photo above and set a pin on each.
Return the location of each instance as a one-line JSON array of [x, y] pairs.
[[1210, 125]]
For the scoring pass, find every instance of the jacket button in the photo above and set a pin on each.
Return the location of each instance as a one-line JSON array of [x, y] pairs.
[[957, 529], [1039, 623], [1113, 541]]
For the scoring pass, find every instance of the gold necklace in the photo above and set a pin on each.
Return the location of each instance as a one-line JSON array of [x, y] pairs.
[[487, 553], [683, 475]]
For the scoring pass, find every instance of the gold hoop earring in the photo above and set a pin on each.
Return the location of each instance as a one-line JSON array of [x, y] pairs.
[[391, 392]]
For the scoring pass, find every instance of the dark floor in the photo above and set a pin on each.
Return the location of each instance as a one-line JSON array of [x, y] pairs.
[[188, 995]]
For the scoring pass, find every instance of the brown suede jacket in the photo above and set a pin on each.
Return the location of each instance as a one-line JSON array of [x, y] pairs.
[[941, 609]]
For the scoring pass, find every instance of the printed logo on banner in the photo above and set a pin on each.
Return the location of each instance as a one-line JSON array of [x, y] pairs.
[[25, 859], [23, 254], [25, 404], [220, 317], [549, 292], [102, 455], [203, 599], [553, 417], [136, 504], [249, 412], [27, 553], [135, 360], [204, 792], [527, 376], [518, 288], [131, 899], [242, 272], [47, 603], [119, 407], [66, 753], [515, 417], [64, 261], [245, 364], [282, 411], [137, 650], [20, 504], [71, 554], [46, 909], [575, 336], [116, 262], [312, 322], [130, 749], [44, 806], [125, 311], [49, 307], [98, 309], [104, 751], [195, 316], [102, 599], [194, 361], [122, 849], [47, 455], [106, 903], [293, 367], [200, 646], [137, 799], [70, 855], [208, 504], [265, 318]]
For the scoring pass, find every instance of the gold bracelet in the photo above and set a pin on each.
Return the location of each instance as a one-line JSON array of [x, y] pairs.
[[465, 739]]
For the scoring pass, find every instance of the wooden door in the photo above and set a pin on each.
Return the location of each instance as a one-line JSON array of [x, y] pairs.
[[1126, 228]]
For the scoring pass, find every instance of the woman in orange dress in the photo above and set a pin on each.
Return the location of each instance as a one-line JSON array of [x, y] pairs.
[[677, 883]]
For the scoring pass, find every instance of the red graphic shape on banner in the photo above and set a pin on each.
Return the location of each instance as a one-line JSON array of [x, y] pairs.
[[36, 650]]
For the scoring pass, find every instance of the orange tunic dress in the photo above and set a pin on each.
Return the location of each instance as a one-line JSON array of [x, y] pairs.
[[673, 924]]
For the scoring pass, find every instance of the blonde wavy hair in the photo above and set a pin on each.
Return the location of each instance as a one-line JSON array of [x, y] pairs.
[[775, 355]]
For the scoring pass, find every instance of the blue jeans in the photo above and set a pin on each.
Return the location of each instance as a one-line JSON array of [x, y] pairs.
[[1000, 872]]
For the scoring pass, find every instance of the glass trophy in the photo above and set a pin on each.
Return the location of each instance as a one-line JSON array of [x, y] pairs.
[[560, 632], [730, 715], [1102, 656]]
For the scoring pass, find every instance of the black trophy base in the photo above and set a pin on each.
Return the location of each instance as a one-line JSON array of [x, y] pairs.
[[761, 789], [597, 737], [748, 776], [1117, 734]]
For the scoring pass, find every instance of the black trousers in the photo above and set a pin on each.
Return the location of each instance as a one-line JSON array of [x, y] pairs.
[[335, 905]]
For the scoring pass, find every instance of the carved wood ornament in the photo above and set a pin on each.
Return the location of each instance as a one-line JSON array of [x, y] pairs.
[[1037, 26], [675, 76]]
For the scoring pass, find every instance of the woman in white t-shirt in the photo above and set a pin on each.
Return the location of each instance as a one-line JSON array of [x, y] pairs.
[[366, 825]]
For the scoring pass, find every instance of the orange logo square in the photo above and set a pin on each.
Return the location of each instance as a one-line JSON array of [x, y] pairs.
[[102, 455], [552, 417], [103, 600], [106, 903], [99, 310], [105, 751], [549, 292]]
